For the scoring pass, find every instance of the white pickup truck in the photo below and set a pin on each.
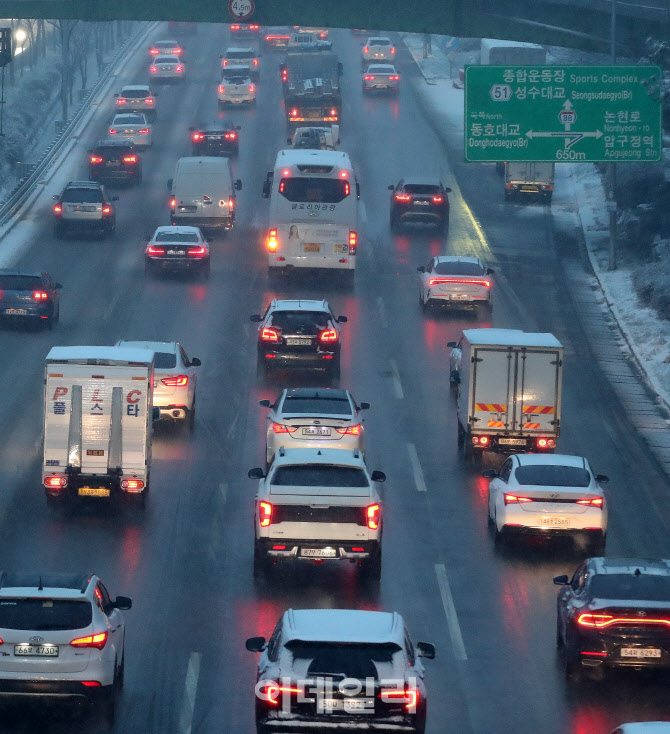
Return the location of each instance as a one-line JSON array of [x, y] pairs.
[[318, 504], [97, 423]]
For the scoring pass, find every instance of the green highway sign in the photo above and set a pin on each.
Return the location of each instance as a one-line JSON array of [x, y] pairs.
[[562, 113]]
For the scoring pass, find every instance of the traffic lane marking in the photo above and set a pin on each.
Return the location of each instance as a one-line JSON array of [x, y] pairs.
[[395, 377], [419, 481], [453, 626], [190, 688]]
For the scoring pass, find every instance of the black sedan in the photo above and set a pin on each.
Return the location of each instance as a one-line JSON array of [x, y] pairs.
[[421, 199], [614, 613], [30, 295], [219, 139]]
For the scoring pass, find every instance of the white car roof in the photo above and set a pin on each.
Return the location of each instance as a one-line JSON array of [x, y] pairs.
[[457, 259], [343, 625], [135, 117], [335, 457], [135, 88], [305, 156], [510, 338], [389, 68], [299, 305], [552, 460], [153, 346], [110, 355], [178, 229], [645, 727], [241, 49], [373, 39]]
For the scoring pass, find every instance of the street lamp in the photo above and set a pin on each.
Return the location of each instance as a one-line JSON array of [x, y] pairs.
[[20, 37]]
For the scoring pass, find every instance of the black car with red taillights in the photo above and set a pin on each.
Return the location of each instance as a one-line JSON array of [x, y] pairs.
[[29, 295], [217, 139], [420, 200], [614, 613], [115, 161], [299, 333]]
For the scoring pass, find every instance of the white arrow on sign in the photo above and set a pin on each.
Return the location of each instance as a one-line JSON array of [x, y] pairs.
[[570, 137]]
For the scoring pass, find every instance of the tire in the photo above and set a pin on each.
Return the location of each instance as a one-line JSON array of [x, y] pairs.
[[420, 719], [190, 418], [55, 504], [334, 370], [148, 268], [59, 230], [443, 226], [372, 569], [204, 271], [121, 677], [108, 701], [572, 666], [547, 198], [596, 546], [509, 195], [261, 566]]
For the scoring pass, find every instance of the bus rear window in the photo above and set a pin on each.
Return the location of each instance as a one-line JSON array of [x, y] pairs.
[[318, 190]]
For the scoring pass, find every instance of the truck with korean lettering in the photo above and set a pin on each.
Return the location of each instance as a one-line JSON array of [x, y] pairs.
[[509, 391], [98, 418], [513, 53], [525, 179], [311, 82]]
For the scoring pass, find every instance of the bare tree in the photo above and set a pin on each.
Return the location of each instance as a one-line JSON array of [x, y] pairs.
[[64, 30]]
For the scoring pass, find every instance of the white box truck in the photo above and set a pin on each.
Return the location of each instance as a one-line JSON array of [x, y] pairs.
[[511, 53], [529, 178], [509, 390], [98, 418]]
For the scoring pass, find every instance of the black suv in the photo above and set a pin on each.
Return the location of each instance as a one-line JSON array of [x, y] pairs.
[[219, 139], [115, 161], [299, 334], [29, 296], [420, 200], [614, 612], [84, 206]]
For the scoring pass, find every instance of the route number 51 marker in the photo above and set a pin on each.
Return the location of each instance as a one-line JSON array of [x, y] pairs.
[[241, 9], [501, 92]]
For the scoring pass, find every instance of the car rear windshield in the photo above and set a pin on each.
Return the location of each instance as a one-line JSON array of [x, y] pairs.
[[630, 587], [136, 93], [421, 189], [379, 42], [239, 54], [45, 614], [20, 282], [456, 268], [165, 360], [553, 476], [343, 660], [318, 190], [235, 73], [300, 322], [176, 237], [168, 60], [316, 406], [82, 196], [319, 475], [129, 119]]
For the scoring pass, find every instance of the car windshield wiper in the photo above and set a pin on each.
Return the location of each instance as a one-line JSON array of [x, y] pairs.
[[320, 674]]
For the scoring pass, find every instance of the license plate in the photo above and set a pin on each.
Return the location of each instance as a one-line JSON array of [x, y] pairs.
[[298, 342], [328, 705], [534, 189], [129, 133], [421, 203], [316, 431], [512, 441], [84, 208], [176, 252], [640, 652], [311, 247], [555, 522], [37, 651], [16, 311], [318, 552], [215, 137], [459, 297], [93, 492]]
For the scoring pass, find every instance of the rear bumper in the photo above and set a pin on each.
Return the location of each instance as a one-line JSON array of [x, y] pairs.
[[299, 359], [203, 222], [288, 723], [177, 263], [304, 262], [120, 175], [237, 101], [63, 690], [32, 311], [512, 530], [293, 550]]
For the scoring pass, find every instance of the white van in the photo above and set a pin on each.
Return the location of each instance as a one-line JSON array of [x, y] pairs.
[[203, 193]]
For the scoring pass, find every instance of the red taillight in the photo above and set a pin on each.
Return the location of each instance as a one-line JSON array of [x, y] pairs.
[[130, 159], [154, 51], [272, 239], [278, 547], [372, 516], [176, 381], [149, 100], [179, 68], [144, 131], [173, 203], [255, 62], [268, 334], [222, 89], [366, 50], [284, 75], [230, 136], [264, 513], [322, 35], [40, 295], [252, 88], [369, 77], [280, 428], [234, 28], [403, 197], [328, 335], [98, 640], [513, 499], [270, 692], [351, 430], [96, 159], [409, 697], [153, 250], [392, 49], [58, 209], [224, 62], [546, 443], [333, 112], [470, 281], [595, 502], [197, 251], [353, 242], [112, 131], [480, 440], [438, 199], [55, 481], [132, 484], [346, 188], [177, 51], [106, 210], [153, 69], [120, 100], [607, 620], [231, 203], [294, 112]]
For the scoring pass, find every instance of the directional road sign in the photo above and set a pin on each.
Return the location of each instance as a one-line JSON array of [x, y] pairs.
[[562, 113]]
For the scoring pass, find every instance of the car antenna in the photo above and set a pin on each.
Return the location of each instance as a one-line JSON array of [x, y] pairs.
[[318, 453], [638, 572], [40, 587]]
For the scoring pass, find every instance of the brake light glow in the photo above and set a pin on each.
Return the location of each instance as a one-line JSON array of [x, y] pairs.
[[130, 159], [40, 296], [153, 250], [546, 443], [121, 100], [403, 197], [469, 281], [481, 440], [154, 51], [55, 481], [177, 51], [280, 428], [346, 188], [144, 131], [369, 77], [351, 430], [58, 209], [252, 88], [176, 381], [98, 640], [372, 515], [328, 335], [333, 112], [196, 252], [438, 199], [230, 136], [270, 692], [284, 75], [294, 112], [96, 159], [149, 100], [179, 68], [272, 239], [366, 50], [268, 334], [153, 69], [234, 28], [222, 89], [513, 499], [255, 62], [595, 502], [112, 131], [132, 484], [173, 203], [392, 49], [353, 242], [106, 209], [409, 697], [264, 513]]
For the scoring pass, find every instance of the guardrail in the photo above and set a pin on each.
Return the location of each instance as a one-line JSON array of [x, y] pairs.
[[23, 189]]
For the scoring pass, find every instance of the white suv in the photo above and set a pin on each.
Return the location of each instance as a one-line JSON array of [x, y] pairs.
[[61, 637], [378, 48], [318, 504]]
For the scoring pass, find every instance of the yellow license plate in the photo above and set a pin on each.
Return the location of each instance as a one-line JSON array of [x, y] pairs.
[[93, 492], [310, 247]]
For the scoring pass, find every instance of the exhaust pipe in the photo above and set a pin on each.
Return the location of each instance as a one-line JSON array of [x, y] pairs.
[[178, 414]]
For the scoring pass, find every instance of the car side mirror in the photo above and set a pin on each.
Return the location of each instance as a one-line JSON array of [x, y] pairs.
[[490, 271], [58, 286], [255, 644], [358, 186], [195, 362], [256, 318], [55, 197], [378, 476], [342, 319], [453, 345], [122, 602], [117, 95], [562, 580], [238, 185], [266, 188], [603, 478], [489, 474], [447, 189], [422, 268], [169, 184], [155, 413], [265, 403], [425, 650], [364, 406], [256, 473], [391, 187]]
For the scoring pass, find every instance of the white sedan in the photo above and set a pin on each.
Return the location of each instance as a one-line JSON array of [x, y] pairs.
[[132, 126], [381, 78], [167, 69], [548, 494], [456, 281], [175, 380]]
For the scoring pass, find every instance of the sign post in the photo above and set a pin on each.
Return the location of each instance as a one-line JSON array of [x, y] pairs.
[[562, 113]]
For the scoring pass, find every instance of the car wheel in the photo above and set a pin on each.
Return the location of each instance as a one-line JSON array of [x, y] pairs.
[[108, 701], [372, 568], [559, 636], [420, 719], [55, 504], [148, 268], [190, 418], [572, 665], [547, 198], [597, 545], [122, 671], [59, 230], [205, 270], [261, 565], [335, 369]]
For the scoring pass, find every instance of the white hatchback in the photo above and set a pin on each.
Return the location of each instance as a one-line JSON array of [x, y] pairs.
[[132, 126], [174, 379], [455, 281], [378, 48], [167, 69], [548, 494], [236, 87], [61, 638]]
